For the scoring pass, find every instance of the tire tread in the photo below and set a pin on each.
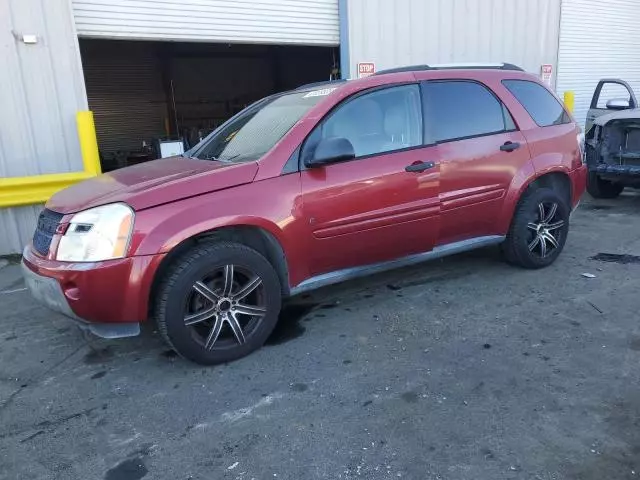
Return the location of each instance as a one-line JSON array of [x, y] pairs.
[[599, 188], [512, 249], [200, 253]]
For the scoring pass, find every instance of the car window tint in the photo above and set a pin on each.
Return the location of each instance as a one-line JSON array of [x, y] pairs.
[[377, 122], [509, 124], [538, 102], [258, 128], [460, 109]]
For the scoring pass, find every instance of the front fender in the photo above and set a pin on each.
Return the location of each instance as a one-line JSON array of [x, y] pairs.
[[272, 205], [181, 231]]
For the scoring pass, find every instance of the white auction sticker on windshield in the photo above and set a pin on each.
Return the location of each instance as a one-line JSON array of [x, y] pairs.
[[319, 93]]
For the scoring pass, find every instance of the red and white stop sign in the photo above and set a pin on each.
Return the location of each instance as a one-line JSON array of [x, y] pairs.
[[365, 69]]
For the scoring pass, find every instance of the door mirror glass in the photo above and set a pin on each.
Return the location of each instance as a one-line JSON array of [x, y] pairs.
[[331, 150], [618, 104]]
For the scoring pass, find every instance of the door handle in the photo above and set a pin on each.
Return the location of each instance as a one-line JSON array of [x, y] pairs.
[[509, 146], [419, 166]]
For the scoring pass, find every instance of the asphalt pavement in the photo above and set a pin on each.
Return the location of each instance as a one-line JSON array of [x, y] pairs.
[[462, 368]]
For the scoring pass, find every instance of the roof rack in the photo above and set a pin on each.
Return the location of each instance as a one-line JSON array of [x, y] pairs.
[[453, 66], [320, 84]]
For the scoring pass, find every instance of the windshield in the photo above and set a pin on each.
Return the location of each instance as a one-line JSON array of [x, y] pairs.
[[257, 129]]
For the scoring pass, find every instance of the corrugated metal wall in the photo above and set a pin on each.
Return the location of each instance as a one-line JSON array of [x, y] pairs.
[[129, 85], [212, 82], [304, 22], [598, 39], [41, 89], [125, 92], [405, 32]]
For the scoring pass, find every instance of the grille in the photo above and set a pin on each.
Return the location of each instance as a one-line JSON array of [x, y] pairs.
[[47, 223]]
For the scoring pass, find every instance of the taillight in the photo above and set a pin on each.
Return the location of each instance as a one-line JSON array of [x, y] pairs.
[[61, 229]]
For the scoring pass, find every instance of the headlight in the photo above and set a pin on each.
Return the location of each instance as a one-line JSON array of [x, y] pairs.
[[101, 233]]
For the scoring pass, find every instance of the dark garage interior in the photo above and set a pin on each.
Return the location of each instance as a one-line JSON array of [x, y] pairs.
[[143, 93]]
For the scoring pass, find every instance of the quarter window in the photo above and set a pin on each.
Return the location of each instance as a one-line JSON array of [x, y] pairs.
[[460, 109], [377, 122], [543, 107]]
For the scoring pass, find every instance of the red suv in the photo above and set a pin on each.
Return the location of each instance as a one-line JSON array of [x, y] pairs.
[[307, 188]]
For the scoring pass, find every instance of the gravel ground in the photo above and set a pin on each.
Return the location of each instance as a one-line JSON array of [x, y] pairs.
[[463, 368]]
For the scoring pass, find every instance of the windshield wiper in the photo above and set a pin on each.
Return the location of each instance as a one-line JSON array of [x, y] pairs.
[[207, 157], [219, 159], [230, 159]]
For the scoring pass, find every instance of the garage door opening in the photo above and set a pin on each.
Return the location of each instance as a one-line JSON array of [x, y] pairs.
[[152, 98]]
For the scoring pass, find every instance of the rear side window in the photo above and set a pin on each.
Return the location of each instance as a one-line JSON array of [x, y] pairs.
[[461, 109], [538, 102]]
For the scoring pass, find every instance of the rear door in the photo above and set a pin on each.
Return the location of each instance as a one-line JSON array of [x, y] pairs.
[[610, 95], [479, 149], [379, 206]]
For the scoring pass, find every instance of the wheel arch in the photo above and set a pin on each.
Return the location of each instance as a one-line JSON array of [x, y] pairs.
[[557, 179], [253, 236]]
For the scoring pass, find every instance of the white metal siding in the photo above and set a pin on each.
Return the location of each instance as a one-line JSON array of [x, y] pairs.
[[304, 22], [406, 32], [597, 39], [16, 227], [41, 89]]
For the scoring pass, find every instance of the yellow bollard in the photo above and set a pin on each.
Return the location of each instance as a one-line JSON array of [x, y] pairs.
[[88, 142], [569, 101]]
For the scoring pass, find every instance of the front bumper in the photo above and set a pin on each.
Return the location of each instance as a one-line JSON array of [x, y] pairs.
[[110, 298], [613, 170]]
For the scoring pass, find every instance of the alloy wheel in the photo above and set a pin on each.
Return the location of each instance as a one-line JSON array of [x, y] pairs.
[[226, 307], [546, 230]]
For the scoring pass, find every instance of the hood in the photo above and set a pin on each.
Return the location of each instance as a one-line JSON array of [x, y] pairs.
[[153, 183], [628, 114]]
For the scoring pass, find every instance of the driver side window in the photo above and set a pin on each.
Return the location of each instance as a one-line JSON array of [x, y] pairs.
[[377, 122]]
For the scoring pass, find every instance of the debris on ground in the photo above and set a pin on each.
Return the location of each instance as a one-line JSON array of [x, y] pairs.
[[595, 307]]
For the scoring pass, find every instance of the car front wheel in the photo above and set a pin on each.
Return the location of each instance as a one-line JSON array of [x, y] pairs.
[[538, 230], [218, 302], [599, 188]]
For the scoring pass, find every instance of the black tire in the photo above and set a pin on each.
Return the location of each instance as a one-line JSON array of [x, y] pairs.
[[178, 297], [517, 246], [599, 188]]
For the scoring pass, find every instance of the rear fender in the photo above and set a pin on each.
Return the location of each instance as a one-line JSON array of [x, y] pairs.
[[519, 186]]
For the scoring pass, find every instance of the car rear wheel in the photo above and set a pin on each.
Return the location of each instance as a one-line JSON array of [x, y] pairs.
[[218, 302], [599, 188], [538, 230]]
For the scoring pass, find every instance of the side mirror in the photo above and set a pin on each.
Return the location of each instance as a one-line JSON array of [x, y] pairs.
[[618, 104], [331, 150]]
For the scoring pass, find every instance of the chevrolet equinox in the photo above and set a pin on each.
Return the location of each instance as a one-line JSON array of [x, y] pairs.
[[306, 188]]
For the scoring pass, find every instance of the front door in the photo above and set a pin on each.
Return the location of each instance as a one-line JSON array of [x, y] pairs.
[[384, 203], [479, 149], [609, 96]]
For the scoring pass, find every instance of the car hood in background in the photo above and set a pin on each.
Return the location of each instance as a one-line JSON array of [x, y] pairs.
[[628, 114], [153, 183]]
